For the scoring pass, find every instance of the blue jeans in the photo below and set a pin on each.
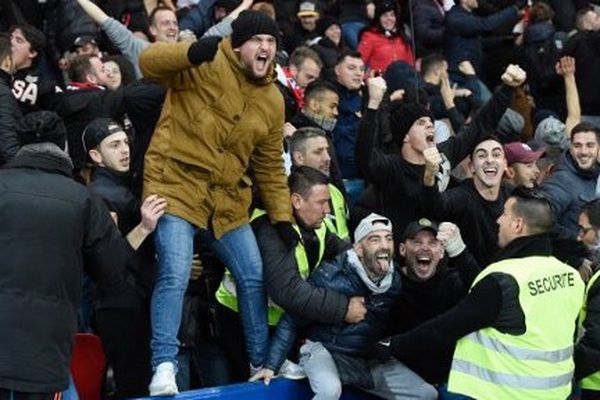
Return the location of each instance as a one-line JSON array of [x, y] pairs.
[[238, 250], [350, 31]]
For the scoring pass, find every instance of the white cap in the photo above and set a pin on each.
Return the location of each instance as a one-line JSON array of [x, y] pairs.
[[371, 223]]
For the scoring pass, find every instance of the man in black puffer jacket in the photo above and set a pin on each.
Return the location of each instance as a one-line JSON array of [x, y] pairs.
[[52, 228]]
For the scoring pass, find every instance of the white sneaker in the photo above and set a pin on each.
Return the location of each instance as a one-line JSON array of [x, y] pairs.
[[163, 381], [291, 370]]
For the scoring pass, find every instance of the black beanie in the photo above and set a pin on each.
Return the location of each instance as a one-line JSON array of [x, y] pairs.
[[251, 23], [383, 6], [97, 130], [324, 23], [42, 127], [402, 118]]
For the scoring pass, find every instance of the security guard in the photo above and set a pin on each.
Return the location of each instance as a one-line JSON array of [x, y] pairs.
[[587, 351], [309, 146], [286, 265], [516, 326]]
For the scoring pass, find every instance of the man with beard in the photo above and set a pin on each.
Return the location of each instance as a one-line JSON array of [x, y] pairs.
[[587, 351], [338, 354], [219, 119], [514, 331], [574, 181], [476, 203], [431, 285], [572, 184], [522, 169], [309, 146]]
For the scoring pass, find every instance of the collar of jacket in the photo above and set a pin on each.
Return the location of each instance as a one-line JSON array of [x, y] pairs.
[[119, 178], [234, 60], [526, 246], [47, 159], [6, 77], [571, 164]]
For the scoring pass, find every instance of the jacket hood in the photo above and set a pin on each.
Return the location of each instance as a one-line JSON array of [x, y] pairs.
[[538, 32], [43, 156], [233, 57], [568, 163]]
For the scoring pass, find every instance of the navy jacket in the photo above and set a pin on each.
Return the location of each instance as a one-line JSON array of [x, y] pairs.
[[346, 130], [349, 339], [463, 34]]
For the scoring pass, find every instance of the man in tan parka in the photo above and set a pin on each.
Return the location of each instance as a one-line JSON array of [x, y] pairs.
[[219, 119]]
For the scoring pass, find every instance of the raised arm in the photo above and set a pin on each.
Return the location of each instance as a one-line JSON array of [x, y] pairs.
[[566, 68]]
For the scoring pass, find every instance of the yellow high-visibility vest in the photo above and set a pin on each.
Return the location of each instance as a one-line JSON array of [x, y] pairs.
[[590, 382], [537, 364], [227, 294]]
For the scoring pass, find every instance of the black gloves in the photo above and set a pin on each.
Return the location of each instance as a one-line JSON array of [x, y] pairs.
[[203, 50], [382, 350], [288, 234]]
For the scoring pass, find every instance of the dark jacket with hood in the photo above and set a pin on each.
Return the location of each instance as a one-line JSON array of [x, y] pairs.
[[568, 188], [53, 228], [463, 34], [342, 276], [429, 27]]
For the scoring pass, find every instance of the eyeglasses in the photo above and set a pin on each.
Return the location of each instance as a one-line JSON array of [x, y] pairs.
[[585, 229]]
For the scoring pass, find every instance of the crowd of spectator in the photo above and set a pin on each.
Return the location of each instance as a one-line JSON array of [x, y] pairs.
[[224, 190]]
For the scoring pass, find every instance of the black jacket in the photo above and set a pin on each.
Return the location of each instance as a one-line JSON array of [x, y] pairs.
[[116, 192], [79, 106], [429, 27], [35, 91], [9, 116], [52, 227], [396, 183], [475, 216], [283, 281], [421, 301], [585, 47], [493, 301]]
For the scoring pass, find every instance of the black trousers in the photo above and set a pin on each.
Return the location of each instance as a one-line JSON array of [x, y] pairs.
[[125, 334]]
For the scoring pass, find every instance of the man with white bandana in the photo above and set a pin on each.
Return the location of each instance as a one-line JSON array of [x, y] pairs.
[[338, 354]]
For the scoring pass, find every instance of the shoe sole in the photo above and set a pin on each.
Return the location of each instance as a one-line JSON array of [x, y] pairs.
[[165, 392]]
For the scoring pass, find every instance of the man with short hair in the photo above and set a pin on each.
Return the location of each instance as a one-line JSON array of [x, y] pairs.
[[514, 330], [310, 147], [337, 354], [219, 119], [30, 87], [121, 313], [573, 181], [476, 203], [431, 285], [304, 68], [396, 174], [521, 165], [587, 350], [349, 70]]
